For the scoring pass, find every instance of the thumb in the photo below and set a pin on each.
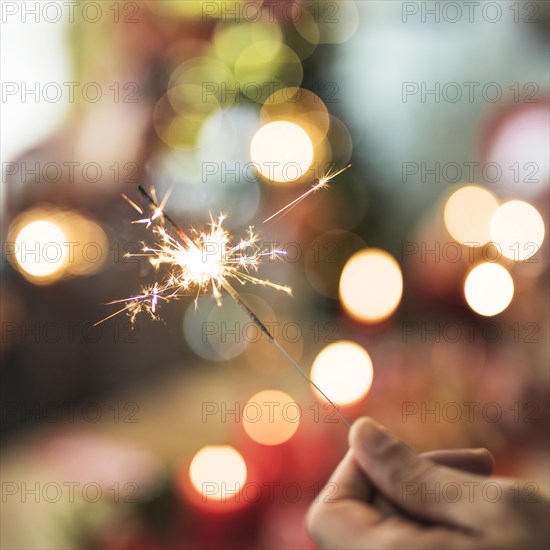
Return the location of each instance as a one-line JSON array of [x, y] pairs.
[[417, 484]]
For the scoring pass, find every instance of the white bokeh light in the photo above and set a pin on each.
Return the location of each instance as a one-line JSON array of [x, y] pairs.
[[40, 249], [371, 285], [468, 214], [489, 289], [343, 371], [518, 230], [282, 151], [218, 472]]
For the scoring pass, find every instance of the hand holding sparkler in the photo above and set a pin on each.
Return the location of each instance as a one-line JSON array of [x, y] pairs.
[[382, 500]]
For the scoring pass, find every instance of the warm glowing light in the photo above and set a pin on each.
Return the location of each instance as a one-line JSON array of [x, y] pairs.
[[371, 285], [196, 265], [218, 472], [282, 151], [46, 244], [489, 289], [343, 371], [41, 249], [271, 417], [468, 214], [518, 230]]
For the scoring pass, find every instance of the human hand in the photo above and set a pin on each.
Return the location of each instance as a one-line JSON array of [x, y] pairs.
[[387, 496]]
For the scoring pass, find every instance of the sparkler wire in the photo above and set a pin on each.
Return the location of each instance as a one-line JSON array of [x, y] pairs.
[[249, 312]]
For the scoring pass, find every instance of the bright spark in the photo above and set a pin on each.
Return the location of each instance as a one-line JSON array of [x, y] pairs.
[[321, 184], [196, 263]]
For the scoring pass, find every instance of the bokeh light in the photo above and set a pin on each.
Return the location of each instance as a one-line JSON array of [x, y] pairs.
[[271, 417], [468, 214], [282, 151], [307, 110], [489, 289], [371, 285], [343, 371], [46, 244], [218, 472], [517, 229], [520, 142], [40, 250]]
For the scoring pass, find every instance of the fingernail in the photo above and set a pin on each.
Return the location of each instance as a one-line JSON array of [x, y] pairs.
[[369, 435]]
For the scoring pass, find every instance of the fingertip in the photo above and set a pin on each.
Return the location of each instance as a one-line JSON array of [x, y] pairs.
[[368, 435], [354, 435], [487, 457]]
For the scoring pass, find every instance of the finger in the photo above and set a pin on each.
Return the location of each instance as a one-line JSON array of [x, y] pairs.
[[415, 483], [347, 482], [475, 461], [344, 520], [341, 516]]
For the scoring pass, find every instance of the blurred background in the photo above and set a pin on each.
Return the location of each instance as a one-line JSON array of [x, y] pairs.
[[418, 275]]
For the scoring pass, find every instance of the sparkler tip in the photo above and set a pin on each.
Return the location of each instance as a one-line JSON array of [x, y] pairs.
[[321, 183]]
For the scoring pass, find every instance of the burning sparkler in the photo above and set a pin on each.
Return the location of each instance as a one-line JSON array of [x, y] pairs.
[[206, 261], [322, 183]]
